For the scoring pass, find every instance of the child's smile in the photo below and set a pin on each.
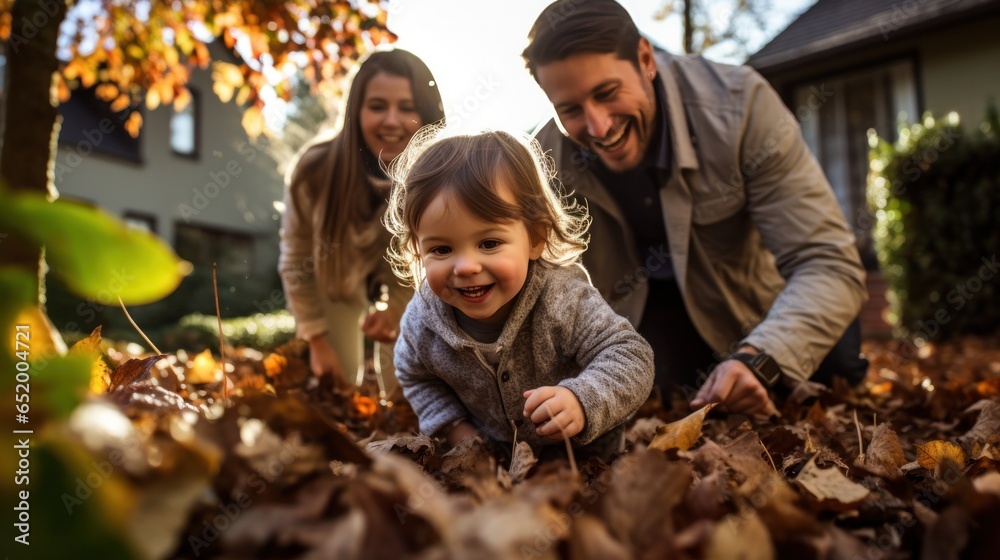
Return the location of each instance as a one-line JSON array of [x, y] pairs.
[[475, 265]]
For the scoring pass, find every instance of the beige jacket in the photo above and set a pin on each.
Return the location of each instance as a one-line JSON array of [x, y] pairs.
[[305, 254], [762, 253]]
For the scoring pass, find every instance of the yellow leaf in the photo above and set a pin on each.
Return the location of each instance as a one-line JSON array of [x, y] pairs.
[[243, 95], [223, 90], [133, 124], [253, 122], [274, 364], [100, 373], [203, 369], [152, 99], [63, 90], [182, 99], [937, 452], [121, 103], [135, 51], [106, 92], [681, 434], [41, 338]]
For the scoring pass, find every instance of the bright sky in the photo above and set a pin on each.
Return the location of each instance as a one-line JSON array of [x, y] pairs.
[[473, 48]]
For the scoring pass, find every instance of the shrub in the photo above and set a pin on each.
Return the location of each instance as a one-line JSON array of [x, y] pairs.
[[936, 198], [196, 332]]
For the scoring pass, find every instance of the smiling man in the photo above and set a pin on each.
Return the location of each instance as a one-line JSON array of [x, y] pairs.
[[714, 230]]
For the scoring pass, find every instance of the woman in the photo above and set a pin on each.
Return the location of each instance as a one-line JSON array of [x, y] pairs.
[[333, 243]]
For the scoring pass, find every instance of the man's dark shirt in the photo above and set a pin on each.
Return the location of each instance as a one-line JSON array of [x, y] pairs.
[[637, 192]]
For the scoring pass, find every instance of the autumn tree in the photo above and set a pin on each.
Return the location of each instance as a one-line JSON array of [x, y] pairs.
[[706, 24], [143, 51]]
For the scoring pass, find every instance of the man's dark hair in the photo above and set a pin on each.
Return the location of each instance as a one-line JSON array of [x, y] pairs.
[[569, 27]]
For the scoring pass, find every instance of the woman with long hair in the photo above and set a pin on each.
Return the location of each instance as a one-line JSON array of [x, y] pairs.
[[333, 244]]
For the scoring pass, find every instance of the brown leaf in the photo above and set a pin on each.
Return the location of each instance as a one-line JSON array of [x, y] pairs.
[[830, 488], [415, 448], [590, 540], [131, 371], [741, 536], [885, 456], [682, 434], [256, 526], [261, 447], [744, 456], [776, 503], [521, 462], [988, 422], [643, 430], [642, 490]]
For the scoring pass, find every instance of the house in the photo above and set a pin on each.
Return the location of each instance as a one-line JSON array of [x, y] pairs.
[[194, 178], [846, 66]]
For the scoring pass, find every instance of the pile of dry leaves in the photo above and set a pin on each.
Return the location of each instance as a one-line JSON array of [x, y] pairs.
[[284, 467]]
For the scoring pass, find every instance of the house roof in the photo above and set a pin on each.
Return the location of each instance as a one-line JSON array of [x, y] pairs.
[[832, 27]]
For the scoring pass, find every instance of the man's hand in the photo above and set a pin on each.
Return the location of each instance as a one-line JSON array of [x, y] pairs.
[[323, 359], [555, 411], [381, 326], [735, 387]]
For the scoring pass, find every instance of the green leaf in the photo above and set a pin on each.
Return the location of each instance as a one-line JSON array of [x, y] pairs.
[[96, 255]]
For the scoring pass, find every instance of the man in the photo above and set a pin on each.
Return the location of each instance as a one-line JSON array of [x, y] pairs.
[[714, 230]]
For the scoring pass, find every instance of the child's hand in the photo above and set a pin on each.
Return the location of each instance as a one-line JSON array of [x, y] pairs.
[[555, 411]]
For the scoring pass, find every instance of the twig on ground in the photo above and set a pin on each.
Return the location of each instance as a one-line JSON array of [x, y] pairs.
[[136, 327], [218, 316]]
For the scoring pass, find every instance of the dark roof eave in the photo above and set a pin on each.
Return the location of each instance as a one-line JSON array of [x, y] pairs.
[[872, 33]]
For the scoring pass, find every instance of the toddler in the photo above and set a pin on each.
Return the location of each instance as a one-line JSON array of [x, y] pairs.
[[507, 339]]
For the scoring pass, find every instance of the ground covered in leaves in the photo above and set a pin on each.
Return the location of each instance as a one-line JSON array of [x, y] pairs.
[[273, 464]]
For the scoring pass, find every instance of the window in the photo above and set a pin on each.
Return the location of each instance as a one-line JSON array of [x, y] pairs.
[[201, 245], [140, 221], [184, 128], [841, 110]]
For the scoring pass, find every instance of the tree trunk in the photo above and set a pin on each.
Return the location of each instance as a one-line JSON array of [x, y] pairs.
[[688, 28], [31, 114]]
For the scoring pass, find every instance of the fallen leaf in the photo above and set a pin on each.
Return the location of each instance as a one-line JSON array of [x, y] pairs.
[[274, 364], [590, 540], [936, 453], [741, 536], [988, 422], [203, 369], [885, 456], [363, 406], [682, 434], [414, 444], [132, 371], [642, 490], [100, 373], [521, 462], [829, 488]]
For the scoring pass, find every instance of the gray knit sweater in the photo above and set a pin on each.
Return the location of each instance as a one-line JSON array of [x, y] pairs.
[[560, 332]]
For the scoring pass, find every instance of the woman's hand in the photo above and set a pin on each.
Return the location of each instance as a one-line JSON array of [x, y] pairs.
[[381, 326], [556, 412], [323, 359]]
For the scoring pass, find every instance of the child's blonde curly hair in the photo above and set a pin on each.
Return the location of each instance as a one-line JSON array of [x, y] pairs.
[[472, 168]]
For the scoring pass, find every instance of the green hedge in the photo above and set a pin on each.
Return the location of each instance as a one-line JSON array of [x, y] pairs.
[[262, 331], [935, 193]]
